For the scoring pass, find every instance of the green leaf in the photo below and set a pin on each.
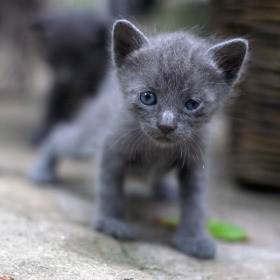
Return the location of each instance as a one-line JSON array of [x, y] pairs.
[[219, 229], [226, 231]]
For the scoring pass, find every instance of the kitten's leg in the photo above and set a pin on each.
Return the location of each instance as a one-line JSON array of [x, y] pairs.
[[54, 113], [110, 200], [63, 141], [191, 237], [61, 105], [43, 172]]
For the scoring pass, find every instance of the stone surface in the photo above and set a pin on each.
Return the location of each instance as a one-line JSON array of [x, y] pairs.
[[45, 232]]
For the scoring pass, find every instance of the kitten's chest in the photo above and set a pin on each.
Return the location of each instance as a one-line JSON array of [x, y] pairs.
[[149, 164]]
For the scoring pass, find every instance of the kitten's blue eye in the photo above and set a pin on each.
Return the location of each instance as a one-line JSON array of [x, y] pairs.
[[148, 98], [192, 105]]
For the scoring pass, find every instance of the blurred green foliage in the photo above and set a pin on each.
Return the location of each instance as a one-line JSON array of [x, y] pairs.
[[168, 15], [80, 3], [174, 15]]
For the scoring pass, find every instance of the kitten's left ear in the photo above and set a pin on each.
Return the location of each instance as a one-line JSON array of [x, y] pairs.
[[229, 57], [126, 39]]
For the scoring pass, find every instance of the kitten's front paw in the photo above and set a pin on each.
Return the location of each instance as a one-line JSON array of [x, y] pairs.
[[116, 228], [201, 247], [39, 176]]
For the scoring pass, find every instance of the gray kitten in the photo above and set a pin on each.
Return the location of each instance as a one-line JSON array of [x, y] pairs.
[[150, 118], [74, 43]]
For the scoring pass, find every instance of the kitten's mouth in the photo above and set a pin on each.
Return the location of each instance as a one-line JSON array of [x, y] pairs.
[[164, 140], [161, 138]]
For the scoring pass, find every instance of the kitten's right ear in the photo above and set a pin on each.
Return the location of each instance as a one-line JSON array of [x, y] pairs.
[[229, 57], [126, 39]]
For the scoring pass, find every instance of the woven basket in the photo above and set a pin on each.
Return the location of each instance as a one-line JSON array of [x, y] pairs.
[[256, 114]]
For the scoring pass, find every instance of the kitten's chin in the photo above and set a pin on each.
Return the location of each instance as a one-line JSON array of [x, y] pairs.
[[163, 140], [168, 140]]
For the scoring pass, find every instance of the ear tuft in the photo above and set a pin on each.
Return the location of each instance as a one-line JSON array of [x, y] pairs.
[[126, 39], [229, 57]]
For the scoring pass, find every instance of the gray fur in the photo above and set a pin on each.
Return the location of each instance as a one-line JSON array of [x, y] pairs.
[[126, 137]]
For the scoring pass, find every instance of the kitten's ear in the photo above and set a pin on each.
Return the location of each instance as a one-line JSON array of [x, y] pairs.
[[126, 39], [229, 57]]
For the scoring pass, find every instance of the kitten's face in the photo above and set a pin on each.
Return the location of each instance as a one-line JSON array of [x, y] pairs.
[[173, 84], [171, 95]]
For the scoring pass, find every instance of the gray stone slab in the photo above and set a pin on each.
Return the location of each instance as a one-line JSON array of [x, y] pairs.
[[45, 232]]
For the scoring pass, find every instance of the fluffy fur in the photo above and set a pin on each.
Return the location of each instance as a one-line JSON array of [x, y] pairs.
[[151, 117]]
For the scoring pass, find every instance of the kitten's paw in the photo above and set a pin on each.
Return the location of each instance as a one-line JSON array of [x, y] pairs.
[[116, 228], [42, 176], [201, 247]]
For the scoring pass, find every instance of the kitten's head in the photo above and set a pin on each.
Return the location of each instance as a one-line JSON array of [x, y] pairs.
[[174, 83], [74, 44]]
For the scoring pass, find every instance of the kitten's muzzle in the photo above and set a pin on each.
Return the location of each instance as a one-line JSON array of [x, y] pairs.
[[167, 122], [164, 134], [166, 128]]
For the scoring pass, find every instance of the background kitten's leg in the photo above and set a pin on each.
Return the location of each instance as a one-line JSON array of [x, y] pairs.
[[110, 217], [43, 171], [59, 108], [191, 237], [63, 141]]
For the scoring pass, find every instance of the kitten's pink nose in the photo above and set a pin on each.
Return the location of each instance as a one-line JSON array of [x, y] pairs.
[[166, 128], [167, 123]]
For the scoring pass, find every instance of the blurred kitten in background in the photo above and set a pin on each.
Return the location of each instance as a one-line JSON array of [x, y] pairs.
[[74, 44]]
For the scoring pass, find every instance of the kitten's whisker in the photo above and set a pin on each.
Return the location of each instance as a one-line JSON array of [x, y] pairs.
[[122, 137], [127, 138], [202, 140], [197, 148], [134, 141], [181, 154], [189, 160], [174, 153], [194, 154]]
